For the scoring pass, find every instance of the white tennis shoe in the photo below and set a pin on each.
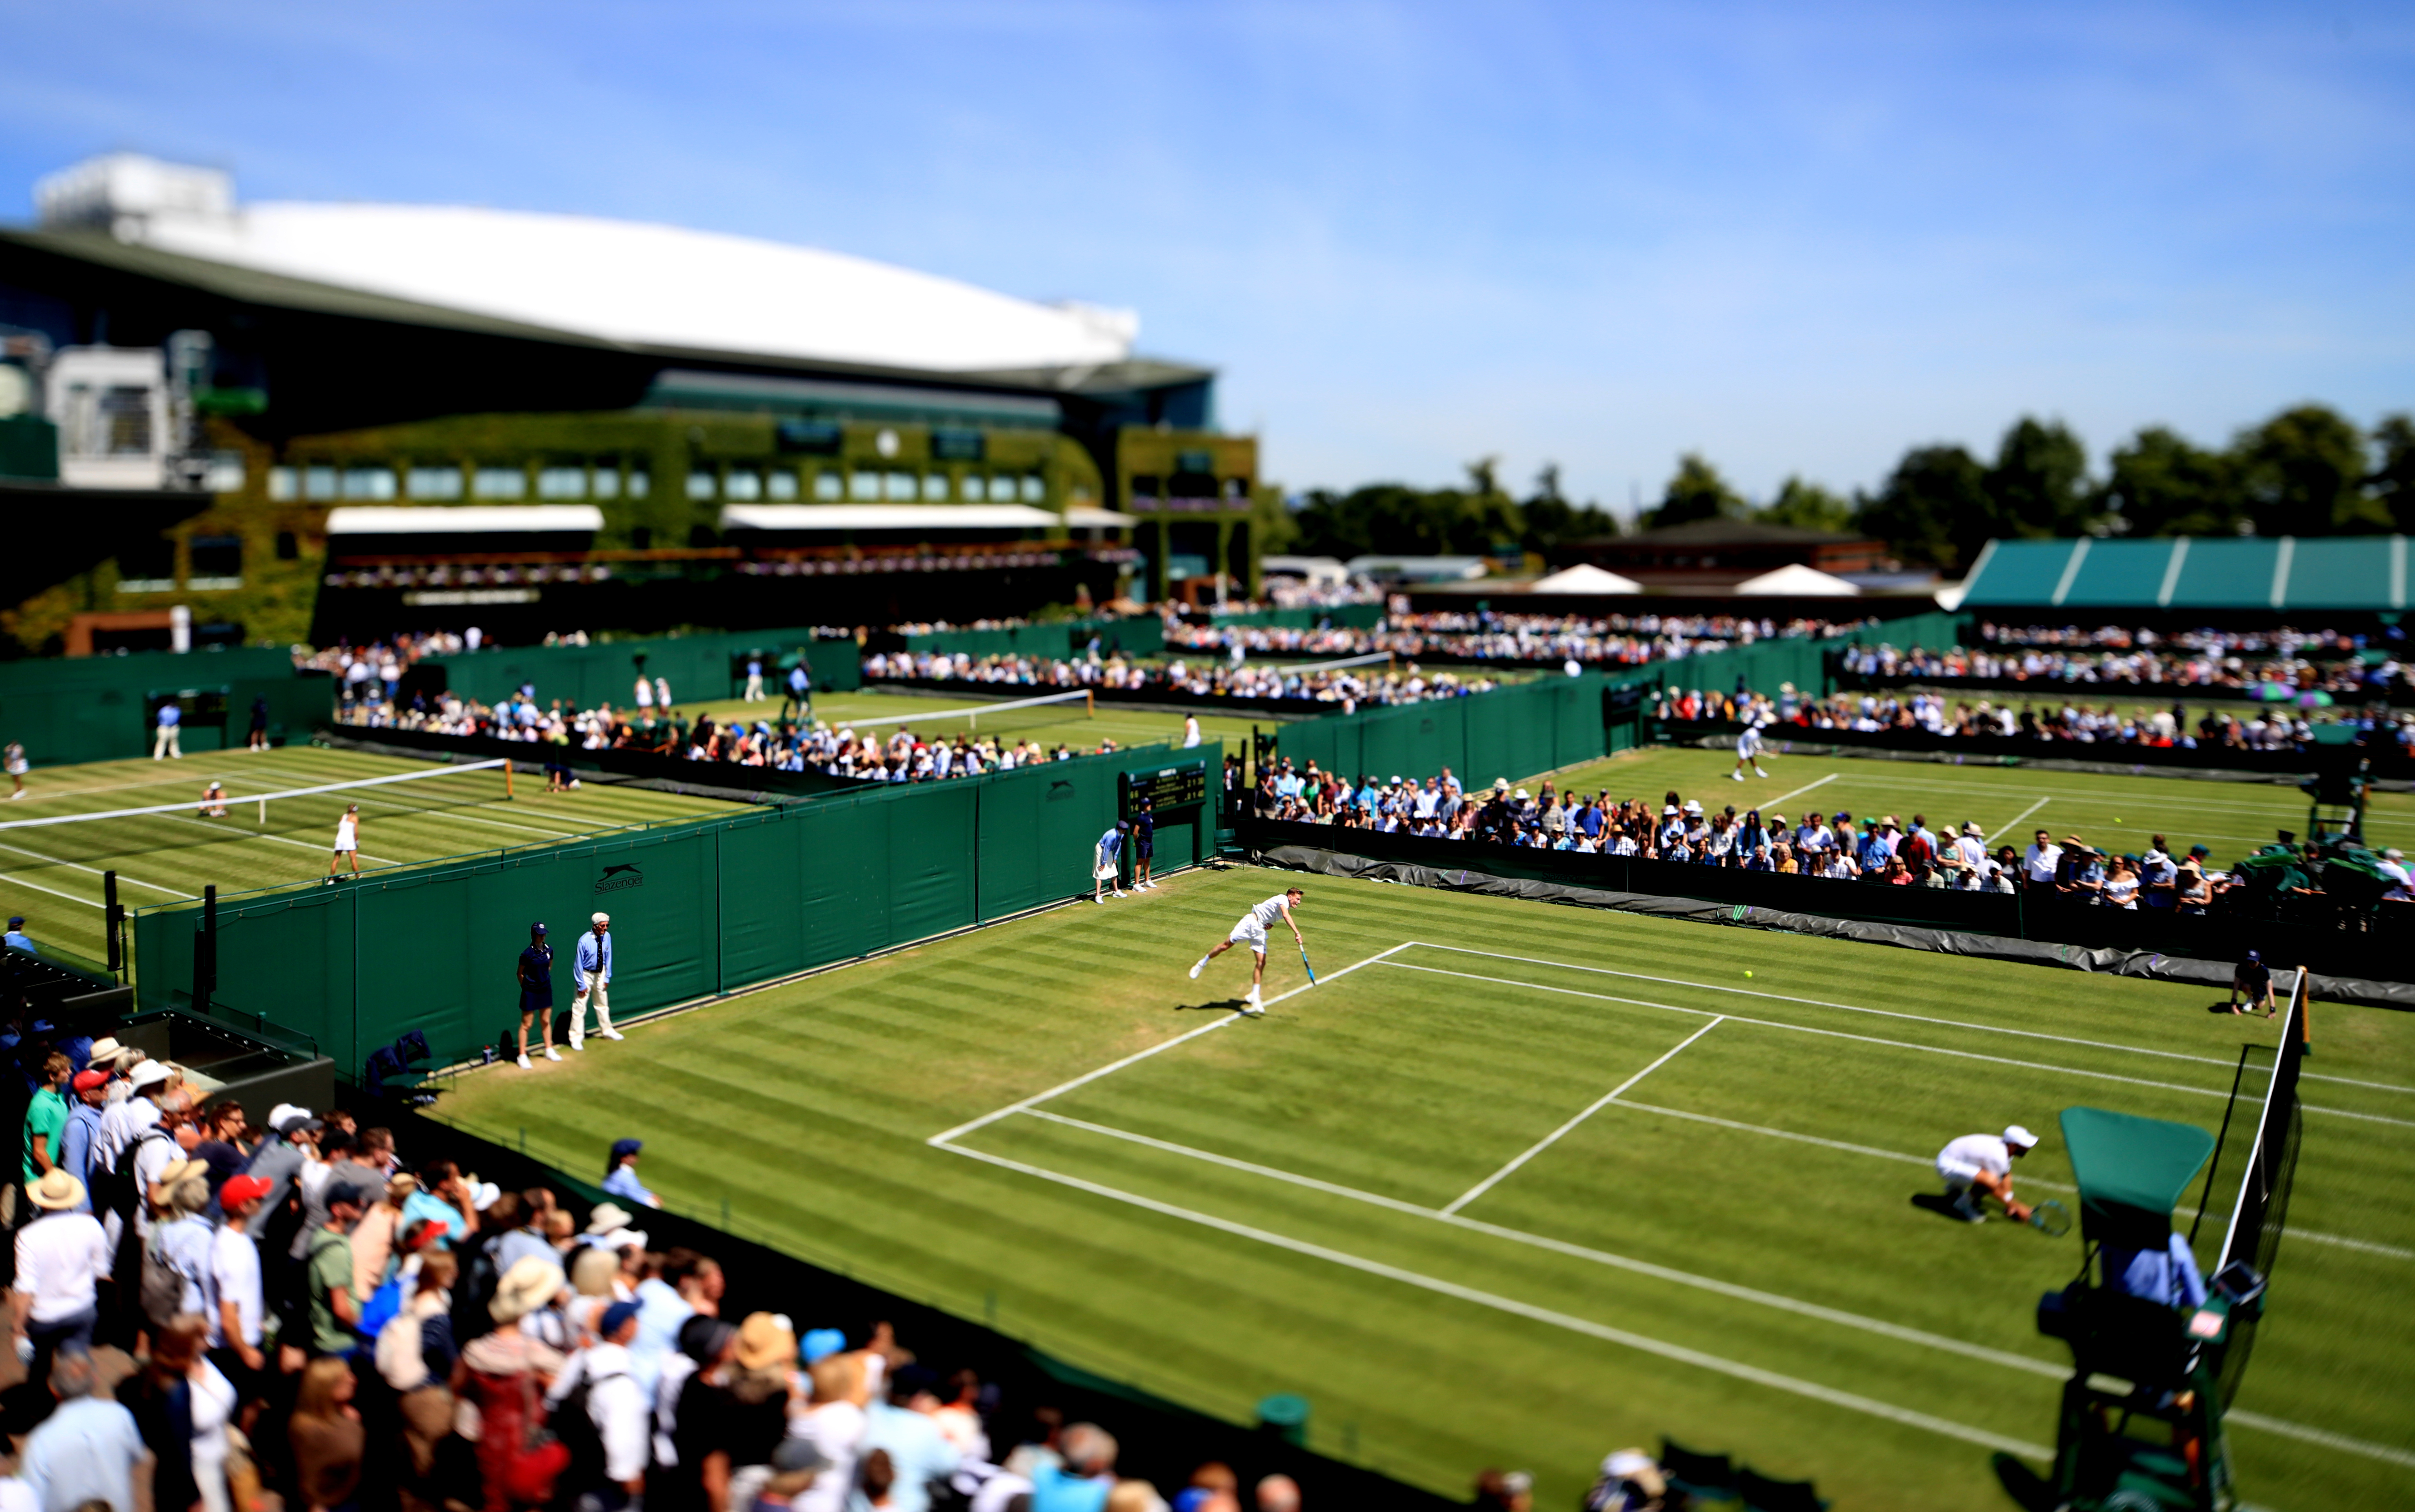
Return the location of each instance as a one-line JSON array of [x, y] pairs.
[[524, 1063], [1197, 966], [610, 1034], [551, 1053]]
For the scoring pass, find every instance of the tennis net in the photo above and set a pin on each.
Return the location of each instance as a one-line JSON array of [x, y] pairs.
[[1337, 663], [2262, 1210], [228, 803], [1010, 713]]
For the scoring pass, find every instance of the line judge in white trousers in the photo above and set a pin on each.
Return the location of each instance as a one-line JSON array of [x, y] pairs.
[[590, 974]]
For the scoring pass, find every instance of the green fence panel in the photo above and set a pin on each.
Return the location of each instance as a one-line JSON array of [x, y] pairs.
[[1141, 635], [698, 668], [95, 708]]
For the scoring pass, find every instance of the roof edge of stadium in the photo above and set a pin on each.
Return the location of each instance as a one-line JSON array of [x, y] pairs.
[[463, 519], [885, 517], [2272, 573], [241, 284]]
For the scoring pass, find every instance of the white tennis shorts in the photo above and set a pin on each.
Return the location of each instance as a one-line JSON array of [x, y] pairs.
[[1251, 932], [1958, 1174]]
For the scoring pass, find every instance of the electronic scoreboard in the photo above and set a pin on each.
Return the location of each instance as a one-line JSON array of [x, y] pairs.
[[1180, 786]]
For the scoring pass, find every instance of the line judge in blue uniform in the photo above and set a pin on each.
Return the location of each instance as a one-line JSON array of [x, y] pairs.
[[536, 992]]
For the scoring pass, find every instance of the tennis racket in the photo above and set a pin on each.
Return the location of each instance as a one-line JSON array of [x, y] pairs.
[[1304, 966], [2051, 1218]]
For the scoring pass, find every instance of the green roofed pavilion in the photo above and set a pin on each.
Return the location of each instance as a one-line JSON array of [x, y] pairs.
[[2281, 574]]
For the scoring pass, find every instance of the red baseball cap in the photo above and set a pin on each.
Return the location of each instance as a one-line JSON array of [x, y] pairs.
[[241, 1189], [87, 1081]]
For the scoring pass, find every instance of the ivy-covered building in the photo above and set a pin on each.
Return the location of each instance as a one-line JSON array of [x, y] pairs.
[[299, 422]]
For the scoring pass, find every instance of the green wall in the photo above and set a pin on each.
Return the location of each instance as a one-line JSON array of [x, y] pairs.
[[698, 668], [97, 707], [1509, 732]]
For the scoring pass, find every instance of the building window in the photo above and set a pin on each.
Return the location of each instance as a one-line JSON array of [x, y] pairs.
[[319, 483], [782, 484], [147, 567], [604, 483], [1194, 461], [745, 485], [974, 487], [830, 486], [561, 482], [368, 482], [897, 487], [434, 483], [500, 483], [957, 445], [813, 437], [218, 562], [701, 484], [289, 547], [1034, 488], [862, 485], [284, 485], [935, 488], [226, 472], [642, 483]]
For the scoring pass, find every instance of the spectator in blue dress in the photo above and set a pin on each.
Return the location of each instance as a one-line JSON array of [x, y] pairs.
[[621, 1174]]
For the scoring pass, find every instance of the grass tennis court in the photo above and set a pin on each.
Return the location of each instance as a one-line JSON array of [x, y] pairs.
[[2231, 818], [1517, 1185], [52, 873]]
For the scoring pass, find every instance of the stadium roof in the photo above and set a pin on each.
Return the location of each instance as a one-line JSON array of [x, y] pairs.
[[462, 519], [884, 517], [2275, 573]]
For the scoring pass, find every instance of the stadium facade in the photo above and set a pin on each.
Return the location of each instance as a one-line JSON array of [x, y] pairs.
[[290, 421]]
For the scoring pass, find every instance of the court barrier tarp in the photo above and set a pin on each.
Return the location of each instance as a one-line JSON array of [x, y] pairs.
[[656, 771], [2047, 919], [1340, 617], [697, 910], [698, 668], [1511, 732], [2212, 975], [737, 787], [1139, 634]]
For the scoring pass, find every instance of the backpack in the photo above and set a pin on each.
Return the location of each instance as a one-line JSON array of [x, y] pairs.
[[574, 1423], [401, 1344], [163, 1281]]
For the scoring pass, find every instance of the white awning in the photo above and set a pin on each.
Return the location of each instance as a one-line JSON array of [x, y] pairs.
[[1090, 517], [1797, 581], [464, 519], [1584, 578], [885, 517]]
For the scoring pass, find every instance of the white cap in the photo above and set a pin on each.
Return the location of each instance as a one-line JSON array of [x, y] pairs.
[[2020, 1138]]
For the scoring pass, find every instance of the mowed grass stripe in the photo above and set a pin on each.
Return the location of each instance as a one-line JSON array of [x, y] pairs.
[[869, 1062]]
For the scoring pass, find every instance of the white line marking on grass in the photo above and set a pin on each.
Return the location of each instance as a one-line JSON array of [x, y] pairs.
[[1600, 1257], [1554, 1137], [1782, 797], [2329, 1440], [2018, 817], [79, 866], [2391, 1250], [1909, 1018], [1836, 1034], [1639, 1342], [1087, 1077], [20, 882]]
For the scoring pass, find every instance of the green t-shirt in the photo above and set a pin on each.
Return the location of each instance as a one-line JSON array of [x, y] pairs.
[[48, 1116], [331, 1271]]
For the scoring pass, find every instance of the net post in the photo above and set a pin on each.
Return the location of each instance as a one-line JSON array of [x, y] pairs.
[[508, 779], [1090, 703], [205, 951], [263, 812], [110, 914]]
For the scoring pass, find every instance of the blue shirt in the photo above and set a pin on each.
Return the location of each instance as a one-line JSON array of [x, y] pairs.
[[623, 1182], [1111, 845], [16, 939], [169, 717], [75, 1148], [916, 1447], [595, 955], [422, 1204], [84, 1452], [1055, 1489], [660, 1311], [2169, 1274]]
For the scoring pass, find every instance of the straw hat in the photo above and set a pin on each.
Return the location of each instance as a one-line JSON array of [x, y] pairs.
[[765, 1340], [606, 1217], [105, 1051], [56, 1190], [175, 1172], [531, 1283]]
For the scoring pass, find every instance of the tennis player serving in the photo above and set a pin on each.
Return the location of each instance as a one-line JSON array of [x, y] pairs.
[[1252, 930]]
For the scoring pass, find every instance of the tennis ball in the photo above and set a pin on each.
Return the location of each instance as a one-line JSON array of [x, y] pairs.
[[1747, 973]]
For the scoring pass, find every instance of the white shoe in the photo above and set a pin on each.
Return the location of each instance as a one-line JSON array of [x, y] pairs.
[[1119, 892], [1737, 775], [1758, 773], [524, 1063], [551, 1053], [1251, 1007], [1970, 1211], [1197, 966], [609, 1034], [578, 1046]]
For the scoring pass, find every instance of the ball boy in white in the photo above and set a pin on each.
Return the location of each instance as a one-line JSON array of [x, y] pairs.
[[1252, 930]]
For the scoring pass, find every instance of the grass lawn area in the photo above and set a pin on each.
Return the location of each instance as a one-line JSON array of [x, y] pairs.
[[52, 873], [2112, 813], [1517, 1185], [1065, 723]]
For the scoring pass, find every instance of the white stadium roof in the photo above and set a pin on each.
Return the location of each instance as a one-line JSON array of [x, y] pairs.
[[884, 517], [623, 281], [461, 519]]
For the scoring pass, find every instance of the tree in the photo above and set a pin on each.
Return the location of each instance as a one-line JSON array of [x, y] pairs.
[[2302, 473], [1394, 518], [1807, 506], [1933, 509], [1695, 492], [1552, 522], [2393, 486], [2161, 484], [2038, 484]]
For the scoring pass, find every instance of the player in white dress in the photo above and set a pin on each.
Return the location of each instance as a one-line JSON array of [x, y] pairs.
[[1748, 750], [348, 842], [1252, 930], [17, 766]]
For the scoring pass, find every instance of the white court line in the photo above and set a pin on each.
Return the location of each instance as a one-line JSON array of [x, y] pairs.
[[1087, 1077], [1554, 1137], [1600, 1257], [78, 867], [2315, 1435], [1639, 1342], [2018, 817], [1909, 1018], [1782, 797], [20, 882]]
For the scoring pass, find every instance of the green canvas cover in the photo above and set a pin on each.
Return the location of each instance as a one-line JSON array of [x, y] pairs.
[[2132, 1172]]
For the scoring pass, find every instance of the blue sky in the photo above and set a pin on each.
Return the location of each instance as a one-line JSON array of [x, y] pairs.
[[1796, 239]]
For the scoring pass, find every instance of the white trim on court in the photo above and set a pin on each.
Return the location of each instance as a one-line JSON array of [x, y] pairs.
[[79, 866], [1640, 1342], [1555, 1136], [2016, 819], [1782, 797], [9, 880], [2329, 1440]]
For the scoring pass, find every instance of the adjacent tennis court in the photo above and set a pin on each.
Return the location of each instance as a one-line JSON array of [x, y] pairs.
[[1517, 1180], [410, 812]]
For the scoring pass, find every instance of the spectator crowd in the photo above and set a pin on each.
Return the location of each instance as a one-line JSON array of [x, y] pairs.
[[1531, 639], [2244, 663], [234, 1313], [1206, 677]]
